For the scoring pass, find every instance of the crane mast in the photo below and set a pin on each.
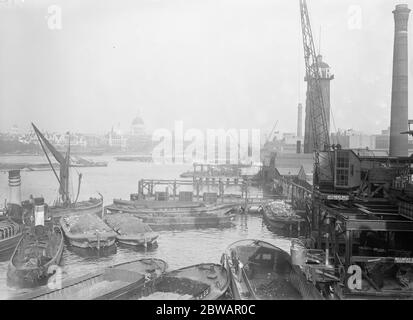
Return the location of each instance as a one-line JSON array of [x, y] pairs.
[[319, 126]]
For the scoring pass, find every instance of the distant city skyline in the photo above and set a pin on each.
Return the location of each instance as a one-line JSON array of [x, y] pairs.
[[213, 64]]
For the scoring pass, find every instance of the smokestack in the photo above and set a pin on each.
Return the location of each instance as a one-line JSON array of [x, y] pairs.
[[39, 212], [15, 187], [399, 101], [300, 121], [298, 147]]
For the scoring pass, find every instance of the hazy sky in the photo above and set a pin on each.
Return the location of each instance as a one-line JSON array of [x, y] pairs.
[[210, 63]]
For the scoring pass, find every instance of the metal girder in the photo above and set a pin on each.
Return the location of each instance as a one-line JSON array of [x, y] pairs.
[[379, 225], [358, 221]]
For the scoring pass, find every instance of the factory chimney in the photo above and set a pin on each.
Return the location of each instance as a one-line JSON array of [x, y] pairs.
[[399, 100], [15, 187], [300, 121]]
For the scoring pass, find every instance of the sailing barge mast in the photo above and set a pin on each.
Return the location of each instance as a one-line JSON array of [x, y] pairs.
[[64, 163]]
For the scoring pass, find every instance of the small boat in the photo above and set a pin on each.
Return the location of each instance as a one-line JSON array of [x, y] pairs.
[[282, 220], [10, 235], [87, 231], [79, 162], [205, 281], [187, 174], [260, 271], [141, 158], [255, 209], [131, 230], [38, 251], [108, 284]]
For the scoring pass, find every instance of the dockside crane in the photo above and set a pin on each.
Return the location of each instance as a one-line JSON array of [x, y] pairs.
[[272, 133], [323, 159]]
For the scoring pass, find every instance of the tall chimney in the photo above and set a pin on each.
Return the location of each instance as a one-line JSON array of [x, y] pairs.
[[39, 211], [15, 187], [300, 121], [399, 100]]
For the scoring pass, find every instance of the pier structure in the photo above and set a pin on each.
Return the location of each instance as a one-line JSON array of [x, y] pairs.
[[207, 190], [148, 187]]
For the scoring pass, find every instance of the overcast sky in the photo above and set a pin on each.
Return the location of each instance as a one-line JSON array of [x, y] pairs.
[[210, 63]]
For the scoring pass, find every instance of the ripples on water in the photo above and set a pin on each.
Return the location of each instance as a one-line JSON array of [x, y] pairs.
[[177, 248]]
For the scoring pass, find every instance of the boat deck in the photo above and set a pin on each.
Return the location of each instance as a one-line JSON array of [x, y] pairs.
[[104, 284], [204, 281], [270, 285]]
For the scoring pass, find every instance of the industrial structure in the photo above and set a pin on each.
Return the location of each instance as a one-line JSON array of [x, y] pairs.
[[399, 101], [360, 213], [300, 121], [324, 80]]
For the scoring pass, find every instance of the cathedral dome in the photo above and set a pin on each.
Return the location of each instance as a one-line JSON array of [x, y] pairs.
[[137, 121]]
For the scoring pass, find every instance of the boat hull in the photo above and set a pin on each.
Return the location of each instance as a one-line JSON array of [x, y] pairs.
[[89, 239], [172, 220], [91, 243], [9, 240], [9, 244], [92, 206], [199, 282], [147, 240], [260, 271], [130, 230], [173, 223], [171, 207], [20, 276], [108, 284], [283, 224]]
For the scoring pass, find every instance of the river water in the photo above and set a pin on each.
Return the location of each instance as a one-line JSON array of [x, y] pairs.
[[118, 180]]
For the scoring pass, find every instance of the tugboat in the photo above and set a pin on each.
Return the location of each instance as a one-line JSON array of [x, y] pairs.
[[38, 252], [65, 205]]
